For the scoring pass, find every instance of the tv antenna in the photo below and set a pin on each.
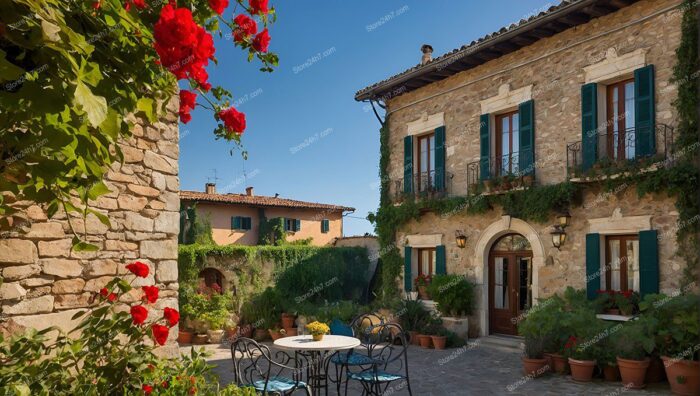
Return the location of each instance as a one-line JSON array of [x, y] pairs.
[[213, 179]]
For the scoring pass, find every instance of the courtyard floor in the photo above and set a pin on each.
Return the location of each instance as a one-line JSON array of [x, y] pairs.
[[474, 370]]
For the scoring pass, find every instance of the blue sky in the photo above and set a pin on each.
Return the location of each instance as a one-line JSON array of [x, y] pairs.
[[307, 138]]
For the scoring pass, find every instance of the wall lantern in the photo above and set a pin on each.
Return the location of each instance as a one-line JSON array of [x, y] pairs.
[[461, 239], [564, 218], [558, 236]]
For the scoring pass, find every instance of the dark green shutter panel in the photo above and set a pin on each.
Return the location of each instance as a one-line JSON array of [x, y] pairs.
[[325, 226], [235, 223], [485, 147], [526, 157], [589, 124], [592, 265], [644, 111], [407, 278], [284, 224], [648, 262], [297, 225], [408, 164], [440, 158], [440, 260], [247, 223]]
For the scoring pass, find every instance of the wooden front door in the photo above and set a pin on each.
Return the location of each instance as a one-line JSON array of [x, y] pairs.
[[510, 274]]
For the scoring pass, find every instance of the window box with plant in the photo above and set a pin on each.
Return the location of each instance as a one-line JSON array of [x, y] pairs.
[[421, 283]]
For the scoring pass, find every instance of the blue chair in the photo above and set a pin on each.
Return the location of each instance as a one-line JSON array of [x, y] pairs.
[[254, 366]]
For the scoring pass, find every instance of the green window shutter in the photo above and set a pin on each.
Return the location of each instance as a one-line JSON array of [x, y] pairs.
[[407, 278], [236, 223], [589, 124], [408, 164], [284, 224], [484, 130], [648, 262], [526, 157], [247, 223], [325, 226], [644, 112], [593, 272], [440, 158], [440, 260], [297, 225]]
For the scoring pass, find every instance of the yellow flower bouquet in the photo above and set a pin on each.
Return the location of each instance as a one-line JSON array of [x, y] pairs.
[[317, 330]]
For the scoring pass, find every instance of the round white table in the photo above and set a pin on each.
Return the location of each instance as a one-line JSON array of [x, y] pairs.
[[318, 352]]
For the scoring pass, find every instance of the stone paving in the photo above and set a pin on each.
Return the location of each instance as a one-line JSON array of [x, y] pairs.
[[479, 370]]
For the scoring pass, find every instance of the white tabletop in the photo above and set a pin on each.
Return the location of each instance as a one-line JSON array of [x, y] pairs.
[[306, 343]]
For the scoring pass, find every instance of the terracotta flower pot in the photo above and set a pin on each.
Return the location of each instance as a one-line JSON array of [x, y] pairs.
[[423, 292], [287, 320], [413, 335], [439, 341], [683, 376], [317, 337], [184, 337], [535, 367], [633, 372], [550, 361], [581, 370], [200, 339], [561, 366], [231, 333], [655, 372], [424, 340], [245, 331], [260, 334], [215, 336], [275, 334], [611, 373], [291, 331]]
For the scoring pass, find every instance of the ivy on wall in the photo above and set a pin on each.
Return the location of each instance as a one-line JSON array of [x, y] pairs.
[[271, 231]]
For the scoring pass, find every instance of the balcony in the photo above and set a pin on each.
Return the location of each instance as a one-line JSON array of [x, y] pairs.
[[423, 185], [638, 147], [505, 172]]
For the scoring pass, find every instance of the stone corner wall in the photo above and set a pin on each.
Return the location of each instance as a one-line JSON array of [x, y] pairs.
[[45, 283]]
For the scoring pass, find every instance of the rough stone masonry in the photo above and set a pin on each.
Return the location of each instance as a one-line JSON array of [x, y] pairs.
[[45, 283]]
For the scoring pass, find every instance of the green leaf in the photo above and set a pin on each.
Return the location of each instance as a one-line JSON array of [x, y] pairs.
[[90, 73], [112, 124], [145, 105], [8, 71], [97, 190], [94, 106], [101, 217], [82, 246], [21, 389]]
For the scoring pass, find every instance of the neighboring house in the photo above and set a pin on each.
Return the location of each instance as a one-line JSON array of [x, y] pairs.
[[581, 85], [236, 218]]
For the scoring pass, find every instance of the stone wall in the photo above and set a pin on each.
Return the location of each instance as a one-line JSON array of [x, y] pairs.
[[45, 283]]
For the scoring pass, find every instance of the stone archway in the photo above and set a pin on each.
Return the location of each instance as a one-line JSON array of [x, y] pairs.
[[506, 225]]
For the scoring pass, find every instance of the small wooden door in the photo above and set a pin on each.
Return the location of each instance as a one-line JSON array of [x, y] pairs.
[[510, 274]]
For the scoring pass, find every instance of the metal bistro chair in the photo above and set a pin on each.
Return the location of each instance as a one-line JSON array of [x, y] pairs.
[[389, 350], [253, 365]]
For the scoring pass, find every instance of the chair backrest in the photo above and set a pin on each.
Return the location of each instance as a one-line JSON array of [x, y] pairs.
[[254, 362], [364, 324], [388, 344], [339, 328]]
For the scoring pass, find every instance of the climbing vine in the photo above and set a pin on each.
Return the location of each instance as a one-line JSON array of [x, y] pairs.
[[271, 231]]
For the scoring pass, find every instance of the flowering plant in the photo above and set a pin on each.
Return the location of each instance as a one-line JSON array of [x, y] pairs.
[[422, 280], [317, 328]]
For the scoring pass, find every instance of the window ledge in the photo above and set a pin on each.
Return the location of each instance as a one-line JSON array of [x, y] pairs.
[[614, 318], [613, 176]]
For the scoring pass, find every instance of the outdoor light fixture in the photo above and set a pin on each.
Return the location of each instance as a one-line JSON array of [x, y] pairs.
[[564, 218], [461, 239], [558, 236]]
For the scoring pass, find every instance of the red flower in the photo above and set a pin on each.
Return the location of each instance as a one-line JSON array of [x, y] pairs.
[[139, 314], [218, 5], [104, 292], [216, 288], [127, 6], [171, 315], [141, 4], [150, 293], [246, 27], [138, 268], [160, 333], [188, 100], [112, 297], [234, 120], [96, 5], [192, 391], [164, 384], [258, 6], [261, 42], [147, 389]]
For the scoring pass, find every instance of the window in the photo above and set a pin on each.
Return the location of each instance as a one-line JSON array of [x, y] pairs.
[[241, 223], [425, 178], [620, 139], [426, 261], [621, 263], [507, 143], [212, 278], [292, 225], [325, 226]]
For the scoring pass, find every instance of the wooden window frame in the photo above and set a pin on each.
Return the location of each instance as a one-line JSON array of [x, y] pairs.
[[293, 227], [499, 140], [623, 264], [431, 264], [621, 122], [419, 171]]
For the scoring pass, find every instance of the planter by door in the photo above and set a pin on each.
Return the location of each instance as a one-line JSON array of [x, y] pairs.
[[683, 376], [535, 367], [424, 340], [439, 341], [510, 278], [550, 361], [611, 373], [633, 372], [561, 366], [581, 370], [423, 293]]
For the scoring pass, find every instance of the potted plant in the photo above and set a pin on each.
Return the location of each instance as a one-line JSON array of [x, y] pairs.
[[438, 336], [414, 318], [546, 320], [230, 328], [534, 362], [317, 330], [627, 302], [424, 340], [277, 333], [633, 343], [216, 331], [607, 360], [288, 320], [582, 362], [454, 296], [421, 282], [606, 302]]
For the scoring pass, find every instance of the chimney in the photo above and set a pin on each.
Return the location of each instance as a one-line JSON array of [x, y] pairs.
[[277, 195], [249, 191], [210, 188], [427, 51]]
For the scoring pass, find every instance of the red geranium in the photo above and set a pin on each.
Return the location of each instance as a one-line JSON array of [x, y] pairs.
[[139, 314], [160, 333], [188, 100], [246, 27], [259, 6], [147, 389], [171, 315], [138, 268], [96, 5], [234, 120], [150, 293], [112, 297], [140, 4], [261, 42], [218, 5], [104, 292]]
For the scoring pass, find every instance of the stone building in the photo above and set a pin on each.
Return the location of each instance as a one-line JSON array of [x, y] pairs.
[[45, 283], [550, 99], [236, 218]]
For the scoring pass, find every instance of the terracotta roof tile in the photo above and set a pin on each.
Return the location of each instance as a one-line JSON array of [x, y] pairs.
[[258, 200]]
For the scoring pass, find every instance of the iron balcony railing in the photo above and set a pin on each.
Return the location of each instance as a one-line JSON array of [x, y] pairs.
[[423, 185], [515, 165], [619, 148]]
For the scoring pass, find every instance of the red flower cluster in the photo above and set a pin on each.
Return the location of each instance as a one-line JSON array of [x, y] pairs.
[[140, 4], [150, 293], [111, 297], [139, 314], [218, 5], [245, 28], [234, 120], [172, 316], [147, 389], [611, 293], [571, 343], [139, 269], [261, 42], [183, 46], [259, 6], [188, 100], [160, 333]]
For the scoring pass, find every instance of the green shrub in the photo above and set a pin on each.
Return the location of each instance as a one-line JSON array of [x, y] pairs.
[[545, 321], [678, 323], [453, 294], [636, 339], [413, 316]]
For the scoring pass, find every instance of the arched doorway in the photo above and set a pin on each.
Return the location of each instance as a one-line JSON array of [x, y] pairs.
[[509, 282], [211, 278]]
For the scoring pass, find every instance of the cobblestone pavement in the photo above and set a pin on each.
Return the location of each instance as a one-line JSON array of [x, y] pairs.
[[479, 370]]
